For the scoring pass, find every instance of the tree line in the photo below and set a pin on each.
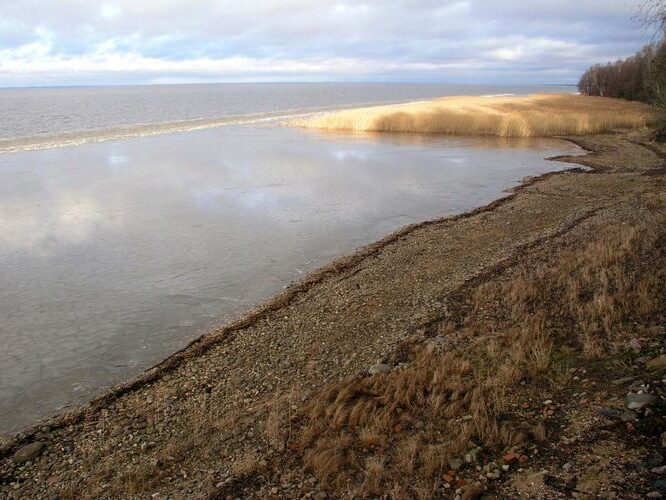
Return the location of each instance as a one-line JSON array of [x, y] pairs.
[[641, 77]]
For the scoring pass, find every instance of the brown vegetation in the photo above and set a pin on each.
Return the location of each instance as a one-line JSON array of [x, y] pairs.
[[402, 432], [476, 315], [534, 116]]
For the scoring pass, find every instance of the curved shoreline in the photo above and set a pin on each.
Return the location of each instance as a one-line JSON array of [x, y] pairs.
[[335, 268], [321, 370]]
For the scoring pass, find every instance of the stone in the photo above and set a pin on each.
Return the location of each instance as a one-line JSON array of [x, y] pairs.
[[660, 484], [455, 463], [659, 470], [629, 416], [472, 492], [623, 380], [29, 452], [654, 460], [658, 363], [654, 494], [638, 401], [379, 368], [608, 412], [493, 475], [470, 456], [663, 439]]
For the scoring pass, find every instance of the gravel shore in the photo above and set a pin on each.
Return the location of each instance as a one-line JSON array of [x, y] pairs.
[[215, 420]]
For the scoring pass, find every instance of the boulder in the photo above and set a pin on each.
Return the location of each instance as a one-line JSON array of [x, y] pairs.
[[379, 368], [29, 452], [638, 401], [658, 363]]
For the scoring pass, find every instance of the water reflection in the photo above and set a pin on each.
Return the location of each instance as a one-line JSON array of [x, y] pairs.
[[112, 255]]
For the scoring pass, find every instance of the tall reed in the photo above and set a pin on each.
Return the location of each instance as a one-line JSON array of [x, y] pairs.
[[537, 115]]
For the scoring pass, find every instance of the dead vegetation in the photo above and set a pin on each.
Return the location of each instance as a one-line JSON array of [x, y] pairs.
[[404, 431], [538, 115], [455, 392]]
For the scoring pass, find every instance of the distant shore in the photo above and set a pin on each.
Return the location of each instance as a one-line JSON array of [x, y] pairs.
[[450, 344]]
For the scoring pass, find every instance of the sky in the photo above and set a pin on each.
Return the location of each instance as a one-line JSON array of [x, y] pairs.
[[91, 42]]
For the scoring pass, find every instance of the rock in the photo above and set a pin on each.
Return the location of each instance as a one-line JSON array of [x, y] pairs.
[[624, 380], [654, 494], [379, 368], [654, 460], [660, 484], [29, 452], [470, 456], [455, 463], [493, 475], [629, 416], [608, 412], [472, 492], [659, 470], [663, 439], [658, 363], [637, 401], [53, 480]]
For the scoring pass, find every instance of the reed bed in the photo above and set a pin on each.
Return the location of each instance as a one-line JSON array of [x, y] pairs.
[[538, 115]]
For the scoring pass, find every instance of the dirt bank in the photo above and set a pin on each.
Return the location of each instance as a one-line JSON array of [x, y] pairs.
[[486, 373]]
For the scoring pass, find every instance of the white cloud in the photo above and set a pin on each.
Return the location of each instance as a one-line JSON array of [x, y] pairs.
[[189, 40]]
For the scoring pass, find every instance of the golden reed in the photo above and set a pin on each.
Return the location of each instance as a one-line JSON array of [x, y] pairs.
[[537, 115]]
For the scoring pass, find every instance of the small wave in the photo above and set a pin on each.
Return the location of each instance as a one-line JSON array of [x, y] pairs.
[[499, 95], [77, 138]]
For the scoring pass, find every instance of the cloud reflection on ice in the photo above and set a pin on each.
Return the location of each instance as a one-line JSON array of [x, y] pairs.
[[109, 248]]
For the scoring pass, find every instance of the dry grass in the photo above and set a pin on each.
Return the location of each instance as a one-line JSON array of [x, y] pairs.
[[398, 432], [538, 115]]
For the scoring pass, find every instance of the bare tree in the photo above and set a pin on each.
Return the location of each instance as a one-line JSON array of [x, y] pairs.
[[641, 77], [652, 13]]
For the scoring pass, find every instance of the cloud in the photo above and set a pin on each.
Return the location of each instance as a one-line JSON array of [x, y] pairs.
[[116, 41]]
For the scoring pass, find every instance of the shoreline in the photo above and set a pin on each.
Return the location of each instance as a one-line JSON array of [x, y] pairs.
[[334, 268], [531, 197]]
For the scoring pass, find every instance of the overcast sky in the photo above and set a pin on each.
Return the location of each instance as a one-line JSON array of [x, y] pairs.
[[51, 42]]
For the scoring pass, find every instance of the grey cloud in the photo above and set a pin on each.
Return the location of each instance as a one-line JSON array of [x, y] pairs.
[[456, 40]]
